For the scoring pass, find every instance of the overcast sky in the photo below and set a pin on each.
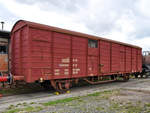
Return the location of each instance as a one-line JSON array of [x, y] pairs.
[[122, 20]]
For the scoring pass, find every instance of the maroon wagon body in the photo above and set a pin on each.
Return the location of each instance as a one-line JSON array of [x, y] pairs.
[[40, 51]]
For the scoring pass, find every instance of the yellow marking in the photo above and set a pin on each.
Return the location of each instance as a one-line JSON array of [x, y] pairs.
[[56, 93], [67, 91]]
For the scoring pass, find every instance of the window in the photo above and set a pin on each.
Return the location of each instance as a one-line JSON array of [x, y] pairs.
[[92, 43], [3, 49], [146, 53]]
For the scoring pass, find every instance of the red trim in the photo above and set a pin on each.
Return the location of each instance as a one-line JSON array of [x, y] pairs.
[[3, 79]]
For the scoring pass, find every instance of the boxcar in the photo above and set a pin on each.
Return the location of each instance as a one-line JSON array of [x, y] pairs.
[[145, 64], [45, 53]]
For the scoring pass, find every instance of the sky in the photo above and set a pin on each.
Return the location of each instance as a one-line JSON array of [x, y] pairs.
[[122, 20]]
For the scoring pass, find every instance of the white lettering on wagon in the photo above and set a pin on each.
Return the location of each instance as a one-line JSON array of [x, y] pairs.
[[66, 73], [75, 60], [66, 69], [63, 65], [57, 73], [57, 70], [75, 65], [75, 70], [65, 60]]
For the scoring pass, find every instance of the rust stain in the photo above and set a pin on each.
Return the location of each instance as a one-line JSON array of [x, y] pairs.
[[3, 62]]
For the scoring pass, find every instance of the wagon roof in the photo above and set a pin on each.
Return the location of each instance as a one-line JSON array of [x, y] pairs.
[[22, 23]]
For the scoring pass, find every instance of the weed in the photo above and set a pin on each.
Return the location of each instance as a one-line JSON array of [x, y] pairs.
[[11, 106], [60, 101], [94, 94], [12, 111], [147, 104], [32, 103]]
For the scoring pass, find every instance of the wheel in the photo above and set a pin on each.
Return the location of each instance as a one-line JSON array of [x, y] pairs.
[[61, 86]]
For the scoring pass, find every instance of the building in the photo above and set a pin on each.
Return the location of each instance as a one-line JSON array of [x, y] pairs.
[[4, 47]]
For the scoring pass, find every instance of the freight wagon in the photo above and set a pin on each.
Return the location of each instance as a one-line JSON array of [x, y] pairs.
[[59, 57], [145, 64]]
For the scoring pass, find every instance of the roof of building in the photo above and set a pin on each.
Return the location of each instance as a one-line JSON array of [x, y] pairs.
[[4, 34]]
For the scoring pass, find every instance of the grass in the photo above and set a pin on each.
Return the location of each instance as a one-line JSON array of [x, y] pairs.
[[102, 93], [26, 109], [94, 94], [27, 88], [147, 104], [78, 102], [12, 111], [99, 108], [32, 103], [60, 101], [33, 109], [11, 107], [8, 91]]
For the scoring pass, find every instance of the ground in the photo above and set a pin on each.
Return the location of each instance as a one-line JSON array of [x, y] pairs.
[[115, 97]]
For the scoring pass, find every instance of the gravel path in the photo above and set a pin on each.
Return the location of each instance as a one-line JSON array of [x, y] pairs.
[[84, 104]]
